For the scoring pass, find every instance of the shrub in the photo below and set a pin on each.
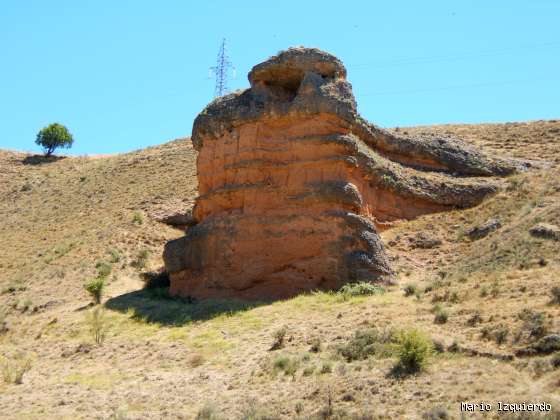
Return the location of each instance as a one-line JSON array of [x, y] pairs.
[[474, 319], [196, 360], [555, 291], [501, 333], [114, 256], [103, 269], [308, 371], [141, 259], [440, 315], [436, 413], [366, 343], [208, 412], [14, 368], [288, 365], [326, 367], [414, 350], [95, 288], [54, 136], [534, 323], [14, 286], [137, 218], [279, 336], [410, 289], [361, 289], [24, 305], [98, 324], [315, 345]]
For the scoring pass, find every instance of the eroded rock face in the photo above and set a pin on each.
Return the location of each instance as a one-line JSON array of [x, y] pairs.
[[294, 184]]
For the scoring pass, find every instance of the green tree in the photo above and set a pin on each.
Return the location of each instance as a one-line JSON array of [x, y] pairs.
[[54, 136]]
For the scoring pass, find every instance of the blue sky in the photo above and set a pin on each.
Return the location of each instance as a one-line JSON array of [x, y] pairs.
[[122, 75]]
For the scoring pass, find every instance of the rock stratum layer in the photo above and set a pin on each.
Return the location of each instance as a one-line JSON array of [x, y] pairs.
[[294, 184]]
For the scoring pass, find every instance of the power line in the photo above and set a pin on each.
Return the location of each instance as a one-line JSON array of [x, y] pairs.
[[406, 61], [444, 88]]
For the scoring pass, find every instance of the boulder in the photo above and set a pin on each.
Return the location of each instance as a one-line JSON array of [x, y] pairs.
[[479, 232], [545, 231], [294, 185]]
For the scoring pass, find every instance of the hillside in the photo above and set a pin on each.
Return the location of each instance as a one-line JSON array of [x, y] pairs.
[[65, 220]]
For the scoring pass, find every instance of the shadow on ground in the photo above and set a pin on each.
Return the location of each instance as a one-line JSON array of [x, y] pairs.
[[155, 306], [41, 159]]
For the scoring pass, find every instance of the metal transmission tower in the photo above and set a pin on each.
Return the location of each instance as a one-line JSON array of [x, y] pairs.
[[220, 71]]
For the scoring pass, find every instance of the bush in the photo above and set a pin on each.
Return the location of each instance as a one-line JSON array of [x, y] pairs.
[[103, 269], [95, 288], [534, 323], [366, 343], [14, 368], [410, 289], [208, 412], [315, 345], [279, 336], [114, 256], [288, 365], [326, 368], [137, 218], [414, 350], [440, 315], [97, 324], [436, 413], [54, 136], [141, 259], [361, 289]]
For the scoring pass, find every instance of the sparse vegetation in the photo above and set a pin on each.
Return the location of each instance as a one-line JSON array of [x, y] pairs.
[[13, 368], [278, 338], [440, 315], [96, 199], [141, 259], [137, 218], [95, 288], [410, 289], [361, 289], [366, 343], [286, 364], [103, 268], [98, 324]]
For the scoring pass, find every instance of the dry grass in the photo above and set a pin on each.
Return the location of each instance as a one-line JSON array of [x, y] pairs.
[[66, 221]]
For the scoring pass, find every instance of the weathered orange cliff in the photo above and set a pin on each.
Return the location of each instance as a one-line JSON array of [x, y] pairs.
[[293, 184]]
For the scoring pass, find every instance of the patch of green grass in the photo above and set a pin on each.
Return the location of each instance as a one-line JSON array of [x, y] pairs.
[[361, 289]]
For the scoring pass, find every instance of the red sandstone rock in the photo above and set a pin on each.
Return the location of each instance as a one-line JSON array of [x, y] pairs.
[[293, 183]]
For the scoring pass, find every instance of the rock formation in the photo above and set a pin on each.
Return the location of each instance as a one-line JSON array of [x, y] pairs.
[[294, 184]]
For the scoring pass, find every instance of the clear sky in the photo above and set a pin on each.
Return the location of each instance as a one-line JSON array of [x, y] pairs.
[[125, 74]]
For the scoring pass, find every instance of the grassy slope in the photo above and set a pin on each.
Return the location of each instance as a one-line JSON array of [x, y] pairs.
[[60, 219]]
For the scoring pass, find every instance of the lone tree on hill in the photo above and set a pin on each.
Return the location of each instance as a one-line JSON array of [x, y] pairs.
[[54, 136]]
